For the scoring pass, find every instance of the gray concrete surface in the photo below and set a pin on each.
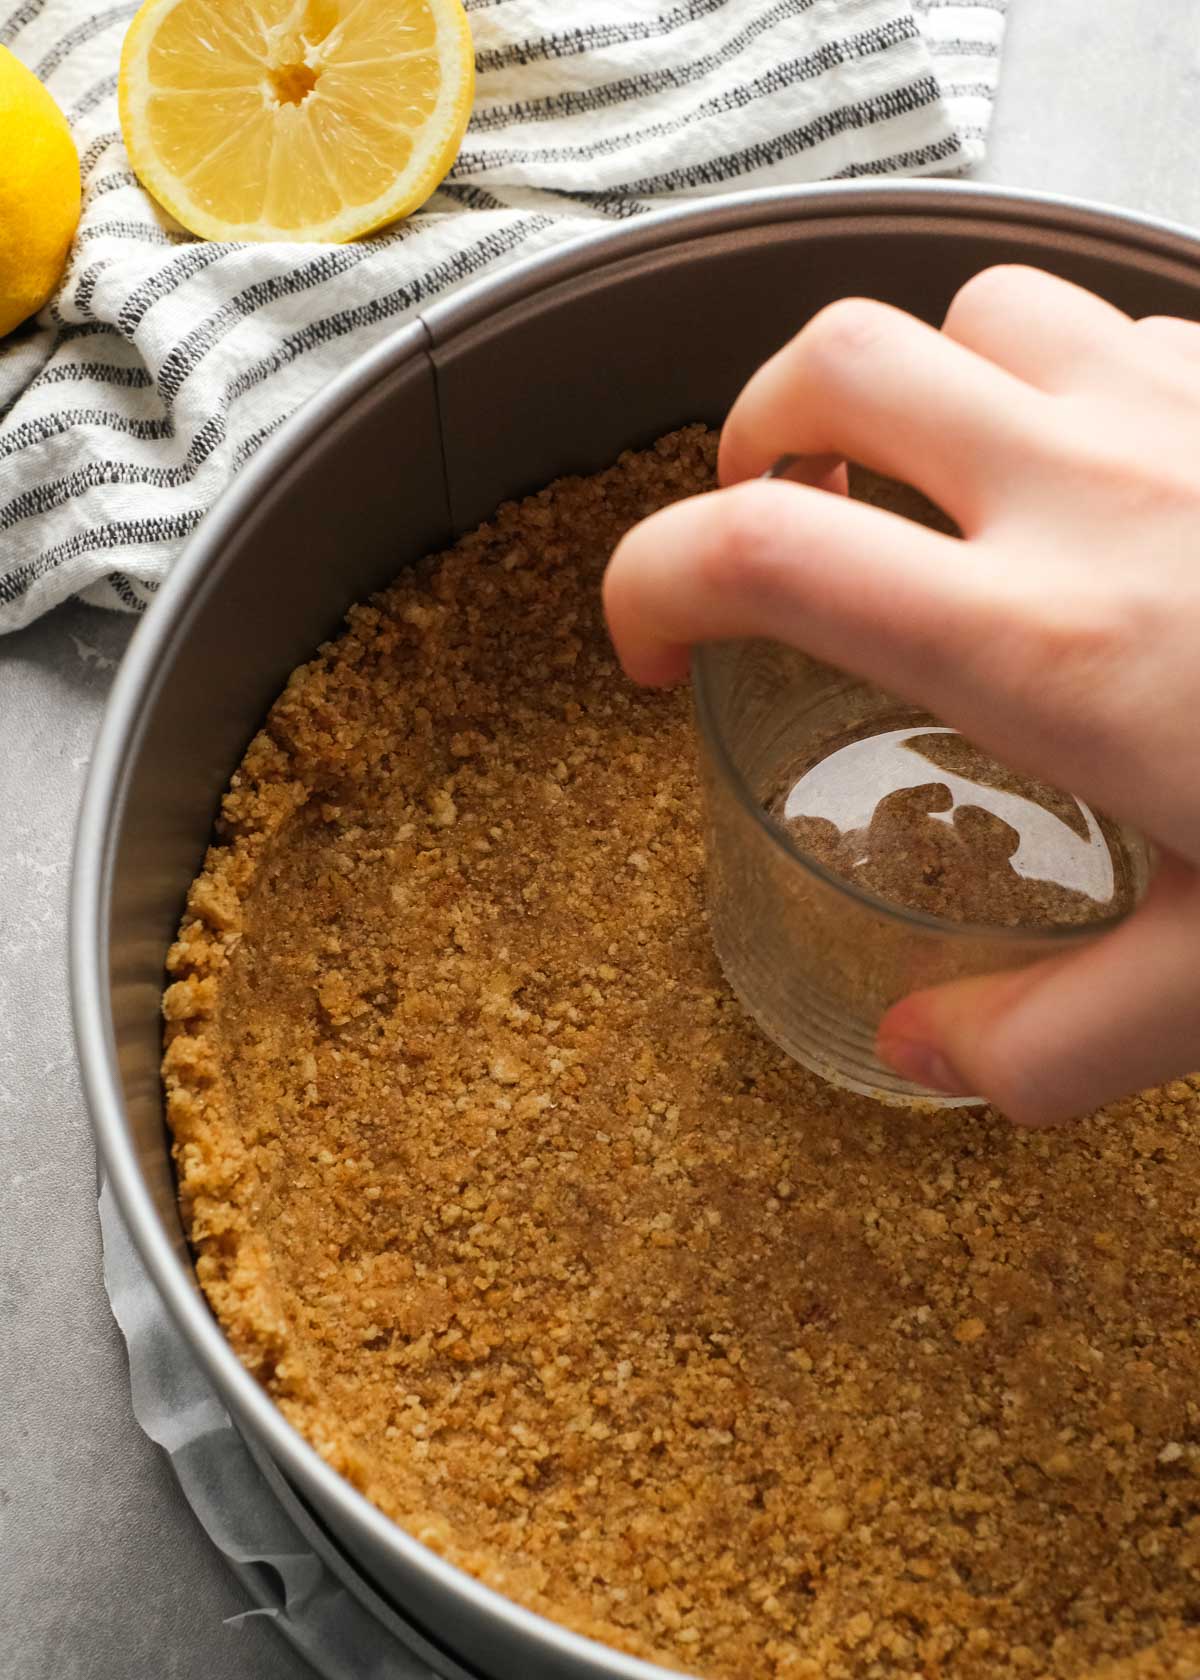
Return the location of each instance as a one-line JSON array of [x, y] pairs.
[[1101, 98], [104, 1575]]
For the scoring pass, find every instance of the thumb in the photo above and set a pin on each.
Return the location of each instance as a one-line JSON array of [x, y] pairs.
[[1053, 1041]]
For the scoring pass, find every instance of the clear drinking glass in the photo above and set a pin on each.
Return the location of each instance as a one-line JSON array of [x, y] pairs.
[[815, 956]]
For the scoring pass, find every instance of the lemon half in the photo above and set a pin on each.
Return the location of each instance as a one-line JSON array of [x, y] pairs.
[[294, 119], [39, 192]]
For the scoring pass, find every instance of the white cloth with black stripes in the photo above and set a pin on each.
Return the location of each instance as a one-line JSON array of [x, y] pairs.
[[164, 362]]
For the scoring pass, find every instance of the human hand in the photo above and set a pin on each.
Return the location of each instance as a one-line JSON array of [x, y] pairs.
[[1061, 633]]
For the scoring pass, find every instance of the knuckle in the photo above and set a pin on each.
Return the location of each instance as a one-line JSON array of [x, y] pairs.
[[1170, 336], [846, 330], [743, 559], [1090, 446], [1073, 640], [1068, 653], [992, 293], [1175, 325]]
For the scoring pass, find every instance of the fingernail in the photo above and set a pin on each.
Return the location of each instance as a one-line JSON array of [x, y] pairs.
[[925, 1065]]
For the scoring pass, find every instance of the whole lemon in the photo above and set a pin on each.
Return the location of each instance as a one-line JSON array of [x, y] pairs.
[[39, 192]]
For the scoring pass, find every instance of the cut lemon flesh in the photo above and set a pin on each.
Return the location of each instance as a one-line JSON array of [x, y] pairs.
[[294, 119]]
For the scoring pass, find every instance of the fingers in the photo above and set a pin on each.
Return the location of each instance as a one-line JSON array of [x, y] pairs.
[[1029, 668], [1065, 341], [867, 383], [1173, 336], [849, 583], [1043, 330], [1051, 1042]]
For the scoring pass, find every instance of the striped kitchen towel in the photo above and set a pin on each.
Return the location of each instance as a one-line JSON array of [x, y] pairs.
[[164, 362]]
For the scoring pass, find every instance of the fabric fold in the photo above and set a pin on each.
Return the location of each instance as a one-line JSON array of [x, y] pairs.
[[164, 362]]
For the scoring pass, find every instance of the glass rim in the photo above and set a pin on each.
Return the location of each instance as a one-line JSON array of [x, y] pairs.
[[1050, 934]]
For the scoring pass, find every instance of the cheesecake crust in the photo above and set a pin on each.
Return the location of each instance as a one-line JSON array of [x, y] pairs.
[[537, 1240]]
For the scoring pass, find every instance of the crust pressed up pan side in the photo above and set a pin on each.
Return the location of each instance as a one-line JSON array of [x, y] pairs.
[[537, 1240]]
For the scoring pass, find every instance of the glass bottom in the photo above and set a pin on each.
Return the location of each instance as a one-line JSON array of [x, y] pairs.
[[823, 1036]]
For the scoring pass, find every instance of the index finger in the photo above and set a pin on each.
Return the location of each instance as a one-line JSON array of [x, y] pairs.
[[926, 616], [850, 583]]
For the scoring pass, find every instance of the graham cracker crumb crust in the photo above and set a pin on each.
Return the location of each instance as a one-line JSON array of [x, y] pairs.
[[539, 1242]]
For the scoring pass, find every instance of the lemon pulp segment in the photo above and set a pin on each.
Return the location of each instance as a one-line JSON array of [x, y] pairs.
[[294, 119]]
